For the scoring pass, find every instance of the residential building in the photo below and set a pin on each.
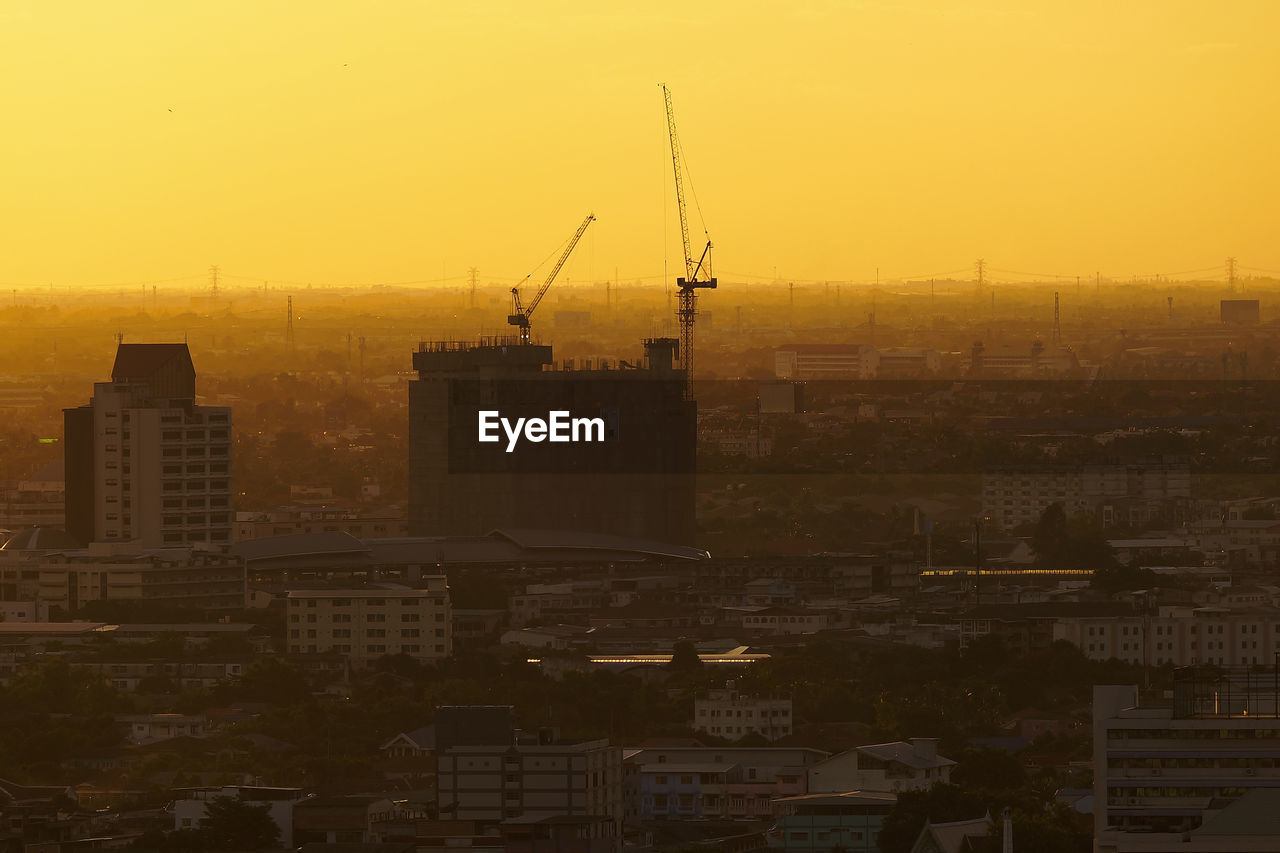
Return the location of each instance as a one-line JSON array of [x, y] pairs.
[[1162, 771], [489, 772], [1155, 491], [366, 623], [144, 463], [898, 766], [729, 714], [184, 577], [191, 805], [748, 791], [818, 823]]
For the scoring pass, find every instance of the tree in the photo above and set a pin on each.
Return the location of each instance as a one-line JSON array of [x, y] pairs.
[[232, 824], [684, 657], [939, 804], [1070, 543]]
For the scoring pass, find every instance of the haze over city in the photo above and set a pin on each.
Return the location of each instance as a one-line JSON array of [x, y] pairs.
[[411, 141], [360, 491]]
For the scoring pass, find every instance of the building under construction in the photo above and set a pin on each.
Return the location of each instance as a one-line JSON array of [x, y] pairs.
[[637, 481]]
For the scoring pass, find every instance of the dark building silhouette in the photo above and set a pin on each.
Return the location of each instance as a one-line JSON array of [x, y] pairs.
[[637, 482], [1241, 312], [144, 463]]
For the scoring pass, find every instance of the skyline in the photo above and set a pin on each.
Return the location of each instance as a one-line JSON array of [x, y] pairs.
[[409, 143]]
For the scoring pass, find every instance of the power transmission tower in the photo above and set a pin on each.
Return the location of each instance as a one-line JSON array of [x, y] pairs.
[[1231, 273], [288, 329], [474, 275], [1057, 320], [213, 282], [982, 268]]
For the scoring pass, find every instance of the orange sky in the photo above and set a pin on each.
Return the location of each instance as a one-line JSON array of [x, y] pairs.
[[395, 141]]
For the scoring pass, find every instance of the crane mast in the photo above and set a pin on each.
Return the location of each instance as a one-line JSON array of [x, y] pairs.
[[520, 313], [697, 276]]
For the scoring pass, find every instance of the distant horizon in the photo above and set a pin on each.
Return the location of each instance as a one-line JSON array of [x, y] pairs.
[[821, 140]]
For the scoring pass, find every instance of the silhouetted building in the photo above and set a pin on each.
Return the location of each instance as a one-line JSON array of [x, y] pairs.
[[144, 463], [631, 475], [1241, 312]]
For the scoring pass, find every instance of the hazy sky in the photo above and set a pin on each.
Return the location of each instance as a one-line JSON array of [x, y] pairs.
[[394, 141]]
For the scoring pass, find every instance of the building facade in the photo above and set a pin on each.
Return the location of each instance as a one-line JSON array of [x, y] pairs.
[[637, 480], [1161, 771], [488, 772], [143, 462], [364, 624], [732, 715]]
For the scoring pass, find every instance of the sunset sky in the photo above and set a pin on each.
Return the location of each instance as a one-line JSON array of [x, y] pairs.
[[406, 141]]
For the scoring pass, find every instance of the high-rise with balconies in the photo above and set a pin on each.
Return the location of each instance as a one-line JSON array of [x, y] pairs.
[[144, 463]]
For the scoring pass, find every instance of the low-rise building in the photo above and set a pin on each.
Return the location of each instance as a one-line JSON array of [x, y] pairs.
[[898, 766], [732, 715], [817, 823], [489, 772], [366, 623]]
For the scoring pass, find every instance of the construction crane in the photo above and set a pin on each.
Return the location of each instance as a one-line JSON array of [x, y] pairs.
[[697, 274], [520, 313]]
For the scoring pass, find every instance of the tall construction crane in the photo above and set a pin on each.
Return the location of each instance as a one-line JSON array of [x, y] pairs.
[[520, 314], [697, 274]]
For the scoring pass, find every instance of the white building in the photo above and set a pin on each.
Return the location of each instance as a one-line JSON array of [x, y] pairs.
[[893, 767], [367, 623], [144, 463], [1163, 774], [192, 807], [732, 715], [488, 772]]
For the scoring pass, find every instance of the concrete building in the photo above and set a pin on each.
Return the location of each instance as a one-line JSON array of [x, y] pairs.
[[191, 805], [1156, 491], [757, 777], [1239, 312], [900, 766], [1165, 774], [732, 715], [144, 463], [489, 772], [366, 623], [633, 477], [817, 823], [808, 362]]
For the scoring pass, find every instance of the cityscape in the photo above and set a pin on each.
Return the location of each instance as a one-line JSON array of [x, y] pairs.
[[343, 517]]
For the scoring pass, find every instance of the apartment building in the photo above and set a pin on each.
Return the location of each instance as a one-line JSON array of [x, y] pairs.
[[1127, 494], [729, 783], [489, 772], [143, 462], [366, 623], [732, 715], [1181, 636], [118, 571], [1163, 773]]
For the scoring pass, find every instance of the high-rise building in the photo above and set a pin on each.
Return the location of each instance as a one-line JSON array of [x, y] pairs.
[[632, 475], [144, 463]]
